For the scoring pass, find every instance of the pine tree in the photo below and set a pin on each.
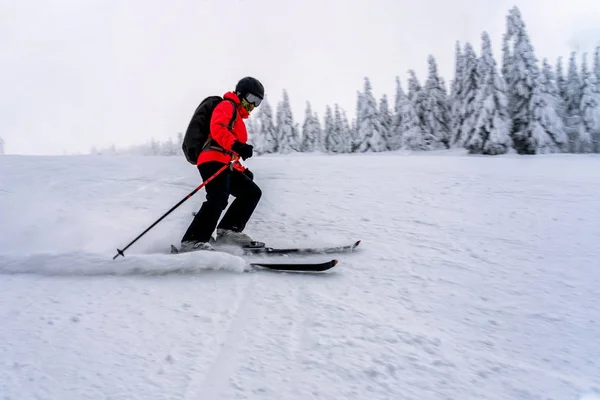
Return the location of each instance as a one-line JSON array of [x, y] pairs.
[[597, 65], [346, 133], [399, 93], [179, 143], [550, 88], [394, 139], [412, 128], [589, 111], [386, 120], [417, 97], [561, 82], [168, 148], [287, 130], [154, 147], [573, 104], [266, 141], [546, 126], [328, 130], [456, 98], [491, 134], [354, 138], [308, 138], [561, 88], [574, 85], [311, 131], [1, 146], [370, 130], [436, 108], [458, 70], [337, 142], [253, 130], [521, 74], [319, 133], [467, 108]]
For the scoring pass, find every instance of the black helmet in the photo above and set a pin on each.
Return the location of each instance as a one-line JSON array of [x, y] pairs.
[[249, 85]]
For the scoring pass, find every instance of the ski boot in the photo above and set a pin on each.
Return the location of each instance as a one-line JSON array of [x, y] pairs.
[[194, 246], [229, 237]]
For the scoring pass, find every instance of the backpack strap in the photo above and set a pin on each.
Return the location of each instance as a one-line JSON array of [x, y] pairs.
[[235, 114], [210, 143]]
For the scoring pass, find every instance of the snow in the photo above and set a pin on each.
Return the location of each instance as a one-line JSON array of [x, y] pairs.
[[477, 278]]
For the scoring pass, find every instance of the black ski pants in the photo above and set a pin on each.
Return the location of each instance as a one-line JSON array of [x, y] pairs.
[[229, 182]]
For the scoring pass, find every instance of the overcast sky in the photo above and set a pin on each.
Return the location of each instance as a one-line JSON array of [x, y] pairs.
[[77, 73]]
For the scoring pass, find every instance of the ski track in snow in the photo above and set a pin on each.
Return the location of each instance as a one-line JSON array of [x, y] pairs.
[[476, 278], [219, 370]]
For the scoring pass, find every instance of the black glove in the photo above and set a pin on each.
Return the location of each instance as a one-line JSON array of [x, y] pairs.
[[249, 174], [244, 150]]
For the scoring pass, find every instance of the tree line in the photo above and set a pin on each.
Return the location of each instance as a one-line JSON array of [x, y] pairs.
[[489, 107]]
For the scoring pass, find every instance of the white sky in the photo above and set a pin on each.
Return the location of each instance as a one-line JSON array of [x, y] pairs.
[[76, 73]]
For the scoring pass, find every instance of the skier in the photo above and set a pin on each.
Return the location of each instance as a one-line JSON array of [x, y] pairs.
[[237, 181]]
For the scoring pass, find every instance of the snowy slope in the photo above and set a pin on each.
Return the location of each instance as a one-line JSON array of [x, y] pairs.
[[477, 279]]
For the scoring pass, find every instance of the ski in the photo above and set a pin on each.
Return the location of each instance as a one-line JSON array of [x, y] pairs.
[[300, 267], [287, 266], [301, 250]]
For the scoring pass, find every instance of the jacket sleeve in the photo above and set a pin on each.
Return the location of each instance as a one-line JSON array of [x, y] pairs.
[[219, 123]]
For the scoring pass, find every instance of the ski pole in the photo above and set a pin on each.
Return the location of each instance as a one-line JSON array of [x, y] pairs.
[[193, 192]]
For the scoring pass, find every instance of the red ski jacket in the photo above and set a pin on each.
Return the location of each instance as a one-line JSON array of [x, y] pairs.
[[221, 134]]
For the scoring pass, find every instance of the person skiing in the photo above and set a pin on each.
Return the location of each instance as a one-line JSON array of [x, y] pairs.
[[228, 138]]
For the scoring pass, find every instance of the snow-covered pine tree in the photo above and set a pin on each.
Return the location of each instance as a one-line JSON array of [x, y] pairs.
[[386, 120], [253, 129], [318, 132], [574, 85], [557, 110], [589, 111], [328, 130], [456, 98], [354, 139], [412, 129], [597, 65], [561, 82], [266, 138], [337, 139], [417, 97], [307, 144], [311, 131], [521, 75], [399, 92], [573, 104], [168, 148], [179, 143], [467, 108], [491, 133], [507, 52], [546, 126], [394, 139], [287, 131], [458, 69], [436, 112], [370, 130], [561, 87], [155, 147], [346, 133], [1, 146]]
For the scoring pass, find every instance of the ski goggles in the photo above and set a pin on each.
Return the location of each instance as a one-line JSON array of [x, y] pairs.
[[253, 99]]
